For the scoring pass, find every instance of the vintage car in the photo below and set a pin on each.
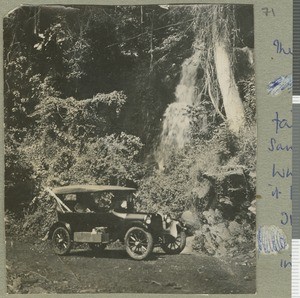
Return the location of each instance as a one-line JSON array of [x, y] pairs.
[[101, 214]]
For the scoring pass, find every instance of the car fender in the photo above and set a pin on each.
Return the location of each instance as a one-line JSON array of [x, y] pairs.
[[175, 228], [131, 224], [59, 224], [136, 223]]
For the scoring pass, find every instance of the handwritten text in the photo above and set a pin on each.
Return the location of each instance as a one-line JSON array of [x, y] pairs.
[[280, 49], [280, 123]]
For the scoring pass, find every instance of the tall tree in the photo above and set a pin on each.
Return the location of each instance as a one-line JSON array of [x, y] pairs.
[[223, 28], [217, 31]]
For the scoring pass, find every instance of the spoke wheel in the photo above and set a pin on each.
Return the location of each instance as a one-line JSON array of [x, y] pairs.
[[174, 246], [139, 243], [97, 247], [61, 241]]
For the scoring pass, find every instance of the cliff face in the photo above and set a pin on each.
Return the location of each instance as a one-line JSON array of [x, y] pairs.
[[226, 219]]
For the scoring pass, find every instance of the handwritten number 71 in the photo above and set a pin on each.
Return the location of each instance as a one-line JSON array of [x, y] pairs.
[[268, 11]]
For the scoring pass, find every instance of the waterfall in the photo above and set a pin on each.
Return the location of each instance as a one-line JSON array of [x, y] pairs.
[[176, 123]]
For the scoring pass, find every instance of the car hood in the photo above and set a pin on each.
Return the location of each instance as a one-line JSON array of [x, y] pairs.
[[138, 216], [134, 216]]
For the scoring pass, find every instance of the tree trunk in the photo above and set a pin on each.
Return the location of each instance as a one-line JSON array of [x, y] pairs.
[[151, 43], [232, 102]]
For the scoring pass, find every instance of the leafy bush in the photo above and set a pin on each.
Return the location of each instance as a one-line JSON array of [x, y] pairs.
[[71, 118], [37, 217], [247, 87], [112, 159], [19, 182]]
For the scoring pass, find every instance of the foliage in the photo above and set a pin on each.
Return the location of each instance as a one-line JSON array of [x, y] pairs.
[[19, 180], [228, 143], [78, 118], [248, 91], [204, 120], [37, 217], [168, 191], [112, 159]]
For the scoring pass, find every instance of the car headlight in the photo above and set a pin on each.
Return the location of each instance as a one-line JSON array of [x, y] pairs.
[[147, 219]]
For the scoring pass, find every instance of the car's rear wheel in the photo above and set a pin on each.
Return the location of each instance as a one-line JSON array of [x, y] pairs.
[[173, 245], [61, 241], [139, 243], [97, 247]]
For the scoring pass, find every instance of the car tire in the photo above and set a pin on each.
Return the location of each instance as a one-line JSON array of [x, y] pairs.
[[139, 243], [174, 246], [97, 247], [61, 241]]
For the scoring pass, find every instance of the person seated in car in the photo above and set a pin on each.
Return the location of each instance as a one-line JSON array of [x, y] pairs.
[[120, 205], [82, 205]]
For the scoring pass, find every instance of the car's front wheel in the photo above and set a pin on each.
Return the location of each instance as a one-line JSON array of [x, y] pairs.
[[173, 245], [139, 243], [61, 241]]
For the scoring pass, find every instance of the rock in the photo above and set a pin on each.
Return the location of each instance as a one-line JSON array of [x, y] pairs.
[[234, 185], [202, 190], [30, 280], [155, 283], [238, 196], [235, 177], [226, 201], [222, 231], [213, 216], [189, 246], [235, 228], [171, 284], [191, 220], [16, 285], [209, 216], [204, 195], [252, 208], [252, 175]]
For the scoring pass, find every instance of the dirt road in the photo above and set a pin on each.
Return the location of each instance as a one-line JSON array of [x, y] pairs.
[[33, 268]]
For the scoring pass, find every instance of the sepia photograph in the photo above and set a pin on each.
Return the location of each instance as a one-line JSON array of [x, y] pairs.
[[130, 149]]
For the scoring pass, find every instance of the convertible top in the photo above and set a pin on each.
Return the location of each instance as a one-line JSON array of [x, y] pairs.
[[73, 189]]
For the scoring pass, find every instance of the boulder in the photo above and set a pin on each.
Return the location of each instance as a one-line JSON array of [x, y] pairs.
[[235, 228], [204, 195], [190, 219], [212, 217]]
